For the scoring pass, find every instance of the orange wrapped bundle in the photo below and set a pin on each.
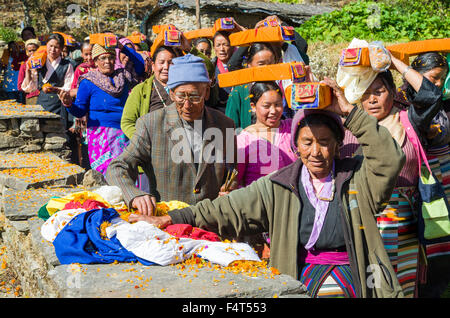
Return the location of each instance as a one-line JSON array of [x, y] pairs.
[[271, 21], [294, 71], [200, 33], [308, 95], [107, 40], [43, 38], [404, 50], [136, 37], [224, 24], [355, 57], [168, 35], [157, 29], [172, 38], [37, 60], [68, 39], [264, 34]]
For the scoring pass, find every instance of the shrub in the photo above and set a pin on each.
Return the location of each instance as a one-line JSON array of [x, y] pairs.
[[395, 20], [8, 34]]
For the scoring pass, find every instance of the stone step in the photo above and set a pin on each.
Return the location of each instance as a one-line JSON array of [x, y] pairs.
[[24, 204], [31, 170], [12, 109], [135, 280]]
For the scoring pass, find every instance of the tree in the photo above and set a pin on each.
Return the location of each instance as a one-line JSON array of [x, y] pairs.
[[197, 14], [128, 17], [27, 8], [48, 9]]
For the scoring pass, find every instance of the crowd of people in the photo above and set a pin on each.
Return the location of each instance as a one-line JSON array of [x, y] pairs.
[[325, 195]]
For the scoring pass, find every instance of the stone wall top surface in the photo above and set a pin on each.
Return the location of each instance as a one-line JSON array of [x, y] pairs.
[[37, 171], [25, 204], [13, 109]]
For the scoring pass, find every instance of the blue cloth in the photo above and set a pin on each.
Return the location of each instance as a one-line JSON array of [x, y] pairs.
[[187, 69], [136, 58], [80, 241], [104, 110], [10, 78]]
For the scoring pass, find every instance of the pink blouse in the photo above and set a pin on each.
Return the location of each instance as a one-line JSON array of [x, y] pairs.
[[257, 157], [81, 69]]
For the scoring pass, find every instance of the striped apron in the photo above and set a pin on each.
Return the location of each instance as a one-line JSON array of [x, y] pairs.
[[328, 281], [398, 228]]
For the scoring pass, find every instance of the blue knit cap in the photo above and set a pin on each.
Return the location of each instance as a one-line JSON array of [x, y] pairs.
[[187, 69]]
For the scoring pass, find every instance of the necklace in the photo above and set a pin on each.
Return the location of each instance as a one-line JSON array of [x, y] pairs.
[[333, 188], [159, 94]]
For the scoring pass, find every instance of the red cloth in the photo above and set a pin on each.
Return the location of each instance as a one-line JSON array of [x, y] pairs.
[[222, 67], [187, 231], [20, 79], [87, 205], [81, 69]]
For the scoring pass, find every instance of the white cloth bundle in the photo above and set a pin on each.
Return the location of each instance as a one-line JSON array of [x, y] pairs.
[[356, 79], [152, 244]]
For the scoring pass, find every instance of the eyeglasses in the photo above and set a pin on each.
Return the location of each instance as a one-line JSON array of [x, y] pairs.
[[181, 98]]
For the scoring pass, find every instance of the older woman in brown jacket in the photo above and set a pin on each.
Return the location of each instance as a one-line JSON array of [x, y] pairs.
[[319, 211]]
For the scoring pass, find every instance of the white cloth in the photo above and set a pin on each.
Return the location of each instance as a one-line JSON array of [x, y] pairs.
[[111, 194], [355, 79], [56, 222], [152, 244], [30, 85], [292, 54]]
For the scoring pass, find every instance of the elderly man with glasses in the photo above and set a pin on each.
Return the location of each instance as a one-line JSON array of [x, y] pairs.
[[185, 149]]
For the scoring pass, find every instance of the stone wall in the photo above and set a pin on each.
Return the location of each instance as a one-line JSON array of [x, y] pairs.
[[185, 20], [36, 265], [182, 13], [28, 128]]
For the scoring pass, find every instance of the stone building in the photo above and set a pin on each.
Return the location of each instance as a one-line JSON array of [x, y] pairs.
[[182, 13]]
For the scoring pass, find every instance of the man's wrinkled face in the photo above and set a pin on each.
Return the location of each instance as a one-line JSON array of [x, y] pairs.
[[190, 100]]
